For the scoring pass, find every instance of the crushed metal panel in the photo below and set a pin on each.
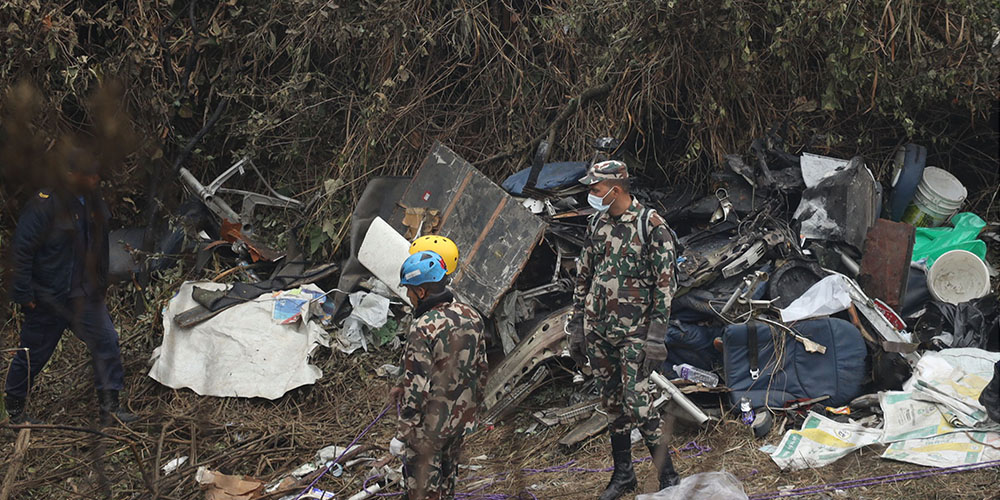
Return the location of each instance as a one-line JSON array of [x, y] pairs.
[[539, 378], [885, 263], [494, 234], [585, 430], [546, 340]]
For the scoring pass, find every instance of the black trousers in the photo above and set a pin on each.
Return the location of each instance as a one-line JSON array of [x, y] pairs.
[[43, 327]]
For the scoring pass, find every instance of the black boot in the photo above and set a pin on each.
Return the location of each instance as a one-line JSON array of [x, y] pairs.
[[110, 411], [16, 411], [668, 476], [623, 478]]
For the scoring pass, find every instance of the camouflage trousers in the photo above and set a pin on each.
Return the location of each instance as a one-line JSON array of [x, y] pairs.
[[430, 469], [627, 395]]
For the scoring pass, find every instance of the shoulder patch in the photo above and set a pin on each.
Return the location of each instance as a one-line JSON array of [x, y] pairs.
[[43, 195], [656, 220]]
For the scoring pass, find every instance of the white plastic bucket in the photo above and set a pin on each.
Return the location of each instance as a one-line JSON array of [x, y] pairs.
[[938, 197], [958, 276]]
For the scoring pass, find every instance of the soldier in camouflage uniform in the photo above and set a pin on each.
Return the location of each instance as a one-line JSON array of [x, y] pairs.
[[621, 301], [444, 375]]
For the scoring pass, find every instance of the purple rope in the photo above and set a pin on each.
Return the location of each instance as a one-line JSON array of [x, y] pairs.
[[871, 481], [354, 442], [565, 467]]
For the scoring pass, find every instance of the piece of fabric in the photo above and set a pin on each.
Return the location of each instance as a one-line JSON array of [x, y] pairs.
[[971, 324], [627, 395], [552, 176], [238, 353], [444, 375], [692, 344], [40, 333]]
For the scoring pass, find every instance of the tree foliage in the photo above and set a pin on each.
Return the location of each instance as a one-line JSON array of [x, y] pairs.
[[324, 90]]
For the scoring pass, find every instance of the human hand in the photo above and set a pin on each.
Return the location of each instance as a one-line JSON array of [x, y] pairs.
[[654, 354], [577, 341], [654, 349], [396, 395]]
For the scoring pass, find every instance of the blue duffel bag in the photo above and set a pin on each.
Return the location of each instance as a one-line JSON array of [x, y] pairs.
[[770, 367], [692, 344]]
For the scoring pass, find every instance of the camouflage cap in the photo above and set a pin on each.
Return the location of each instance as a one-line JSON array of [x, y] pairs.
[[604, 171]]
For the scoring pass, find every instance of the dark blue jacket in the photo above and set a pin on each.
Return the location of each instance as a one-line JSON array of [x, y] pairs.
[[47, 243]]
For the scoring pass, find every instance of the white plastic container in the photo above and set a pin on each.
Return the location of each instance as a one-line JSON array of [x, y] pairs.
[[938, 197], [958, 276]]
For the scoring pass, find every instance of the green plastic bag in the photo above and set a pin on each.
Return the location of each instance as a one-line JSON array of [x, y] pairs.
[[932, 242]]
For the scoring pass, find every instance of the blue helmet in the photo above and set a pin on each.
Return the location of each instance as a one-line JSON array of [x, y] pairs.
[[422, 267]]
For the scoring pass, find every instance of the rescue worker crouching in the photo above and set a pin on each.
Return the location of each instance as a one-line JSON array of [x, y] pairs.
[[622, 297], [444, 373]]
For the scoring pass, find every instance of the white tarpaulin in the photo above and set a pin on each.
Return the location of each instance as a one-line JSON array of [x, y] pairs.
[[240, 352], [719, 485]]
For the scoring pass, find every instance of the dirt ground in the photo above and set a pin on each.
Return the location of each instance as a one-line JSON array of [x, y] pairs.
[[265, 439]]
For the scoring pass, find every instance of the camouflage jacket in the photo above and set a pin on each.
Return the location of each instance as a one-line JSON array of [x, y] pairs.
[[620, 286], [444, 373]]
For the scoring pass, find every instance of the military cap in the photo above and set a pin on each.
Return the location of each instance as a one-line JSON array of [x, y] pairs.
[[605, 171]]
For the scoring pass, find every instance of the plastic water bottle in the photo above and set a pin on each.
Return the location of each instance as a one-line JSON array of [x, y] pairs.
[[686, 371], [746, 411]]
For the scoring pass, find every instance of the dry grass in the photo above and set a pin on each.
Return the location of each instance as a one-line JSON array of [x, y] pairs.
[[265, 439]]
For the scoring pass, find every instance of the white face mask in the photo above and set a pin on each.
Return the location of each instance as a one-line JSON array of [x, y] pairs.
[[598, 201]]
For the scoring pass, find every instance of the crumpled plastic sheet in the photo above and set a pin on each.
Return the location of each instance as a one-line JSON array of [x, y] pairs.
[[830, 295], [933, 242], [702, 486], [369, 309], [954, 378]]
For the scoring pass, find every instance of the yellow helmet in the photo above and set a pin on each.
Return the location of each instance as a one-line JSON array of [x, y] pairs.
[[440, 245]]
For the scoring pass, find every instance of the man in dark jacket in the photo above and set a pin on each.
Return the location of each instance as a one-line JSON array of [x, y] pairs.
[[60, 280]]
